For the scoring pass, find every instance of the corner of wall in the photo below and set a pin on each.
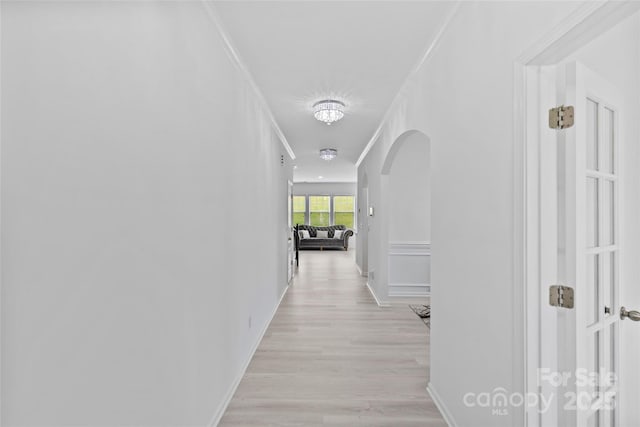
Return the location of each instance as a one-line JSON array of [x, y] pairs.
[[217, 417], [442, 407], [380, 302]]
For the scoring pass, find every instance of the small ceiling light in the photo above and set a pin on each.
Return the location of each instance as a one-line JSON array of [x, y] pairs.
[[328, 153], [328, 111], [319, 176]]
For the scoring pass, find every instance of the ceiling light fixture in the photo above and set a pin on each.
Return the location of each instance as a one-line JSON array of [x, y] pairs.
[[328, 153], [328, 110]]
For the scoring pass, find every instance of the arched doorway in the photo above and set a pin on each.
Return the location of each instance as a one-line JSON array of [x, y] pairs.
[[406, 218]]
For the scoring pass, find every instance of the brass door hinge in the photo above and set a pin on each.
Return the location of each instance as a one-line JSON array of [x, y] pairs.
[[561, 296], [561, 117]]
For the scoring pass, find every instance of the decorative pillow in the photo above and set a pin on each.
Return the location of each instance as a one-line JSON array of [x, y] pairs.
[[322, 234], [304, 234], [337, 234]]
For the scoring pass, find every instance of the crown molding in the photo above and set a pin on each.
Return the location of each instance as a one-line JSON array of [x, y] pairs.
[[585, 23], [423, 58], [240, 65]]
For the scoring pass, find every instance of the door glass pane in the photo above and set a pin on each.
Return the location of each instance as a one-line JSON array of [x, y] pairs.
[[594, 420], [594, 365], [608, 219], [613, 368], [592, 212], [608, 142], [592, 135], [592, 289], [609, 366], [611, 418], [607, 264]]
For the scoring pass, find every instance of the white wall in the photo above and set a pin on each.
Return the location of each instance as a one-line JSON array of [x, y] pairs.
[[456, 98], [616, 56], [128, 136]]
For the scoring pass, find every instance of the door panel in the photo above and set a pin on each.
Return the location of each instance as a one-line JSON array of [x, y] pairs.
[[588, 249]]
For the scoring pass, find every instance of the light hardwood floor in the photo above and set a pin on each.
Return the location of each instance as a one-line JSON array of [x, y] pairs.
[[332, 357]]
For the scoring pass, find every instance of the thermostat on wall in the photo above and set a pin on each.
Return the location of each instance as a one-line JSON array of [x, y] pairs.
[[370, 210]]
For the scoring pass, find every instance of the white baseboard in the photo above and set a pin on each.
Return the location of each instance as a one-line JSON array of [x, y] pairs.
[[375, 297], [403, 301], [444, 411], [234, 386], [419, 290], [360, 271]]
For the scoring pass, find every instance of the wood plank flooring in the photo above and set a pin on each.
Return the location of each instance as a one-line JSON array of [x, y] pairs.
[[332, 357]]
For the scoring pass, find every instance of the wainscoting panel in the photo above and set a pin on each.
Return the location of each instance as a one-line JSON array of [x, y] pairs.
[[409, 269]]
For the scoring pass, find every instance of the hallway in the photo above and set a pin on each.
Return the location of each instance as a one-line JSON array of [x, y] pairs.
[[332, 357]]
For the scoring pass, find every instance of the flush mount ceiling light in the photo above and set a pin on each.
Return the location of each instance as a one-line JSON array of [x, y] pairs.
[[328, 111], [328, 153]]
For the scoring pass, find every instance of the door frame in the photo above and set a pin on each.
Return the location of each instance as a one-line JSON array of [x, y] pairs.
[[290, 235], [586, 23]]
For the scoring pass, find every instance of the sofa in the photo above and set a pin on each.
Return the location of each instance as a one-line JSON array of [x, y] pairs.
[[315, 242]]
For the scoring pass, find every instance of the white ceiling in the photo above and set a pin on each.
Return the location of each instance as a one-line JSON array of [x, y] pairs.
[[359, 52]]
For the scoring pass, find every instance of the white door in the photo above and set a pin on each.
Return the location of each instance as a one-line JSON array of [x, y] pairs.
[[363, 227], [290, 243], [588, 252]]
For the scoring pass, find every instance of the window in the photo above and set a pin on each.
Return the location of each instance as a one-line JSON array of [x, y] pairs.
[[299, 209], [343, 208], [319, 210], [324, 210]]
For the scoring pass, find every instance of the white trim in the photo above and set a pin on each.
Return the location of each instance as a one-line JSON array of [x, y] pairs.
[[409, 249], [412, 290], [1, 275], [403, 301], [234, 386], [444, 411], [411, 285], [520, 249], [412, 244], [237, 61], [562, 29], [375, 297], [588, 21], [360, 271], [409, 253], [423, 58]]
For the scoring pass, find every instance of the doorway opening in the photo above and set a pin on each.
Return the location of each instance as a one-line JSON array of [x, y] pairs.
[[394, 236], [362, 252], [406, 218]]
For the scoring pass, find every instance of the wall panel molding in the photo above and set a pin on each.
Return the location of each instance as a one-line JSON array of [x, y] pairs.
[[409, 269]]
